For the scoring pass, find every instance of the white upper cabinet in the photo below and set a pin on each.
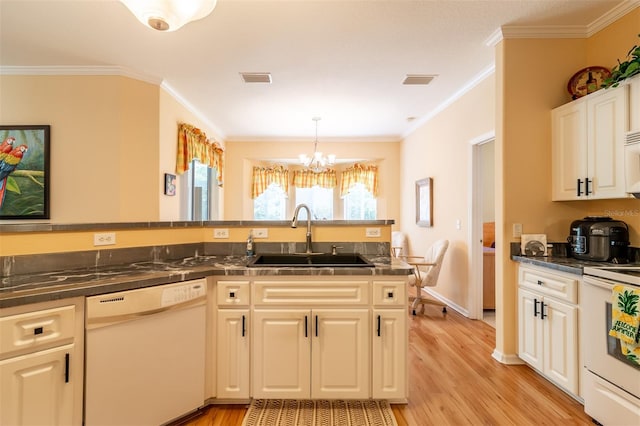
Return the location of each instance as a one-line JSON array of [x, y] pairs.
[[634, 104], [588, 146]]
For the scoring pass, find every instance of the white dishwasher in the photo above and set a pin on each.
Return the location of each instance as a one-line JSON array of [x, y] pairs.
[[145, 354]]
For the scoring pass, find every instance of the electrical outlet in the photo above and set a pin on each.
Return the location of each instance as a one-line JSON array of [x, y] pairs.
[[104, 239], [372, 232], [517, 230], [221, 233], [260, 232]]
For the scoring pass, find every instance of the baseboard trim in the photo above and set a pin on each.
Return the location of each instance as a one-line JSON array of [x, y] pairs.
[[449, 303], [511, 359]]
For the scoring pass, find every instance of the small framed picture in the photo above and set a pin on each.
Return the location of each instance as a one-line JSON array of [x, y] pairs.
[[424, 202], [169, 184]]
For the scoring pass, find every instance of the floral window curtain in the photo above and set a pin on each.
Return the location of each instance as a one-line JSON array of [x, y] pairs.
[[265, 176], [194, 144], [309, 178], [358, 173]]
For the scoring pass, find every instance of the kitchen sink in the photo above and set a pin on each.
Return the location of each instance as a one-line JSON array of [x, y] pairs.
[[310, 260]]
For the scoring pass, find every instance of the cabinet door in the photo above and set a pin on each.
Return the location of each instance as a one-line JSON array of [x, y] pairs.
[[33, 389], [233, 353], [561, 344], [530, 329], [569, 150], [281, 353], [607, 115], [340, 364], [634, 104], [389, 357]]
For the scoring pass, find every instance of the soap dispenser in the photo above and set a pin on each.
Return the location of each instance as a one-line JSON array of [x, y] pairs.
[[250, 244]]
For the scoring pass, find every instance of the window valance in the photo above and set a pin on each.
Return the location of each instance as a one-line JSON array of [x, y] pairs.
[[359, 173], [265, 176], [194, 144], [309, 178]]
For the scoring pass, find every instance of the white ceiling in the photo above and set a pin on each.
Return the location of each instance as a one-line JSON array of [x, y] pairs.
[[342, 60]]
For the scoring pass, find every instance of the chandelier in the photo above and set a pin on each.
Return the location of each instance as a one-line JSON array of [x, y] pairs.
[[317, 162], [169, 15]]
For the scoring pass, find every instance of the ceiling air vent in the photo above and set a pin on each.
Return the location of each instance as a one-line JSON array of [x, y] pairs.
[[256, 77], [422, 79]]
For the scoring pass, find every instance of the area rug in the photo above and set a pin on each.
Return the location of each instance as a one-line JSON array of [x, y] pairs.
[[290, 412]]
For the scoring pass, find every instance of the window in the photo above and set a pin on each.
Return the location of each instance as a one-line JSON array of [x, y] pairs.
[[319, 200], [271, 204], [202, 192], [359, 204]]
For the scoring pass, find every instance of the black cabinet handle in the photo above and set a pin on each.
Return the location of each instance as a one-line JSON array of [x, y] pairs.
[[587, 181], [243, 325], [579, 185], [66, 368], [38, 330], [542, 314], [316, 326], [535, 307], [378, 325], [306, 326]]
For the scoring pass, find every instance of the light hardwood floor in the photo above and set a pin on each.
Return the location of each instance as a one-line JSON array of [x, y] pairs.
[[455, 381]]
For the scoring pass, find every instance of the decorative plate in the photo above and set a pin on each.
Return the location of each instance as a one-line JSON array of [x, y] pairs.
[[586, 81]]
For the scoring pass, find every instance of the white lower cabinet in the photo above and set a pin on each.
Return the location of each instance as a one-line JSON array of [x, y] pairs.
[[233, 340], [233, 358], [311, 338], [41, 364], [548, 325], [311, 353], [389, 352]]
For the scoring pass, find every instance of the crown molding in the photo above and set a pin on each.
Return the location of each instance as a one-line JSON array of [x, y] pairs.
[[78, 70], [562, 31], [218, 134]]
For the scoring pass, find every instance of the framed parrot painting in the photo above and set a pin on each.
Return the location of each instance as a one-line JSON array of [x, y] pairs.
[[24, 172]]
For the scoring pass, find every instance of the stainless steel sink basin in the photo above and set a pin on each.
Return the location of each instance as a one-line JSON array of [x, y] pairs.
[[312, 260]]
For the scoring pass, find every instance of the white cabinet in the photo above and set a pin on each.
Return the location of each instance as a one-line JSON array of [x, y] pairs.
[[389, 340], [318, 353], [548, 325], [588, 146], [41, 364], [233, 340], [634, 104]]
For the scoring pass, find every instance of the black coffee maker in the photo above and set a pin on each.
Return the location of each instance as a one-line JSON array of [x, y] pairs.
[[600, 239]]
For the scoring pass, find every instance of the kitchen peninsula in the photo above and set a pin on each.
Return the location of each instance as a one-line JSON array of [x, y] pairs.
[[254, 316]]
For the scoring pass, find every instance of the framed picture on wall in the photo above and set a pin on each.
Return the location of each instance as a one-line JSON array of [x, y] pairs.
[[24, 172], [169, 184], [424, 202]]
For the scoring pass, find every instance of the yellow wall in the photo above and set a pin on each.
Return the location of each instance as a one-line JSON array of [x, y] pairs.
[[441, 150], [23, 243], [172, 113], [104, 136], [241, 156], [524, 132]]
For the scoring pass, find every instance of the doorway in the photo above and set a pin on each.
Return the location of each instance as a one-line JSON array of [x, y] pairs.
[[482, 231]]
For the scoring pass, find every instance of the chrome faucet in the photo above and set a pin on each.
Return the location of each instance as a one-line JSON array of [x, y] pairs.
[[294, 224]]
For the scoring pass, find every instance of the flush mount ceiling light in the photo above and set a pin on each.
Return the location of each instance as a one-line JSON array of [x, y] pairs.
[[169, 15], [317, 162]]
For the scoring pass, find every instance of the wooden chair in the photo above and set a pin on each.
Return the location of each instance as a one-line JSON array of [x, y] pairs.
[[426, 272]]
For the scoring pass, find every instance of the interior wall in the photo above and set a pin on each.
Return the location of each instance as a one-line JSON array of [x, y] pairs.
[[524, 139], [172, 112], [487, 154], [241, 156], [104, 136], [440, 149]]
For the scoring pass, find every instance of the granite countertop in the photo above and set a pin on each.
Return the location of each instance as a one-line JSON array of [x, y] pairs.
[[24, 289], [564, 264]]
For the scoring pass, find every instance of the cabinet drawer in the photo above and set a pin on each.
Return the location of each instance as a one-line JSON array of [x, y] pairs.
[[233, 293], [33, 329], [558, 285], [318, 293], [389, 293]]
